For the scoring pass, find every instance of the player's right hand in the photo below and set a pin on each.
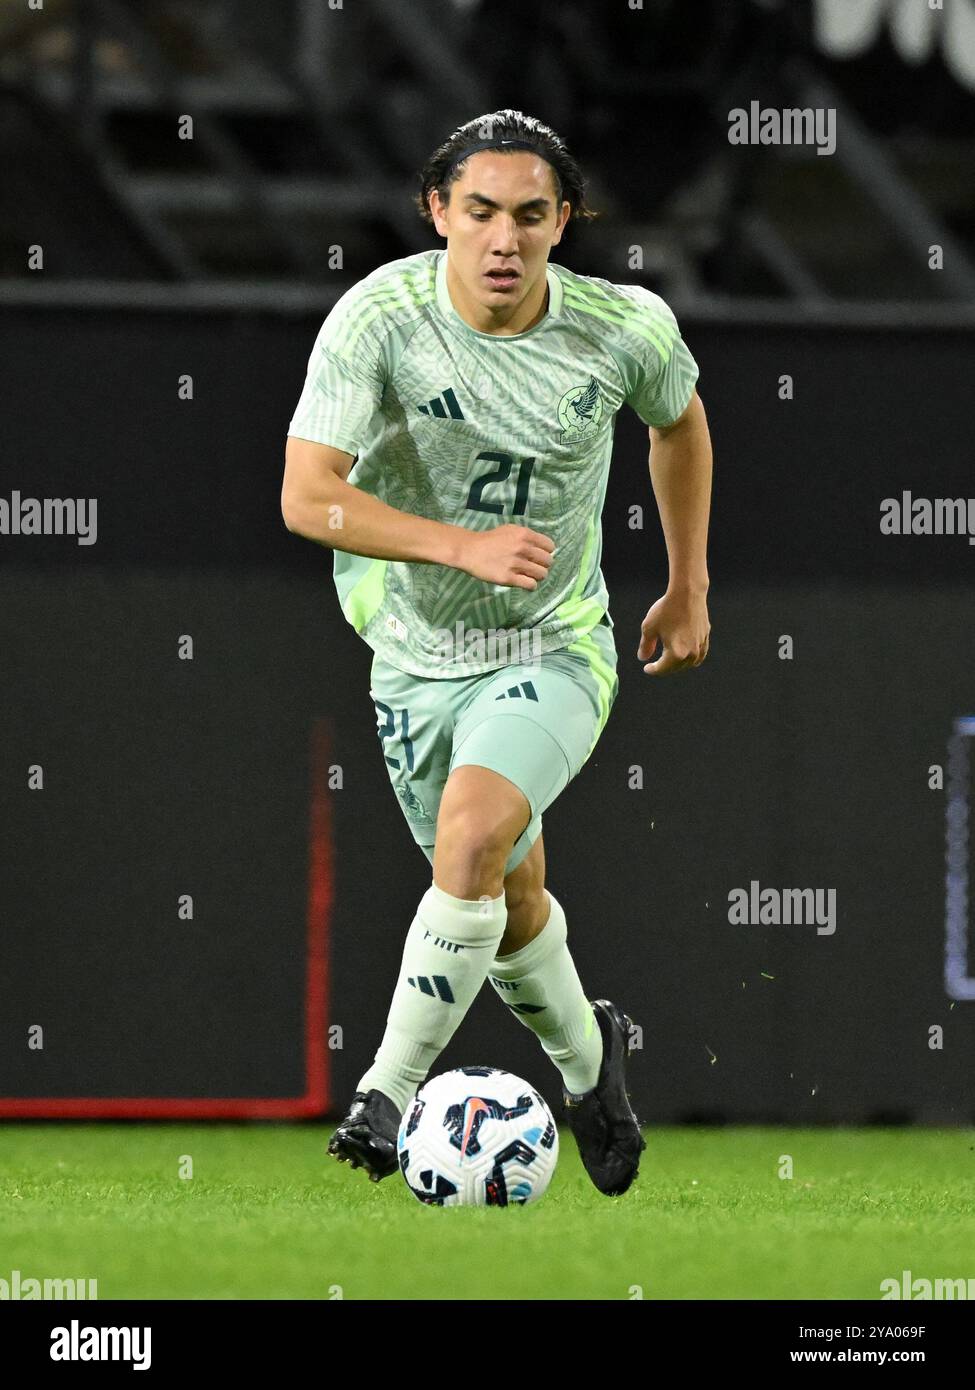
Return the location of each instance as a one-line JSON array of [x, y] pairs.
[[514, 556]]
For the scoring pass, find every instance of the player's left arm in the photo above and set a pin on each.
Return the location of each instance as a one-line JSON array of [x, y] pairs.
[[680, 471]]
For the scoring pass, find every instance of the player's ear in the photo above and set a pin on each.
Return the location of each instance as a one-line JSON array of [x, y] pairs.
[[437, 207], [564, 215]]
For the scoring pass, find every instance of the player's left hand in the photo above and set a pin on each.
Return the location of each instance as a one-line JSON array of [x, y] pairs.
[[679, 620]]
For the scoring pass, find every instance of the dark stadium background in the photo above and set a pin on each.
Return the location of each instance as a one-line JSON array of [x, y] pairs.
[[217, 777]]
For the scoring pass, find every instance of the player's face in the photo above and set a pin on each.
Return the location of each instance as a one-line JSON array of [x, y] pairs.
[[501, 222]]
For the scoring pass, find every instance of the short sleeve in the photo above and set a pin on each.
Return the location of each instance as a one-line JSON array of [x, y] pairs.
[[345, 377], [661, 374]]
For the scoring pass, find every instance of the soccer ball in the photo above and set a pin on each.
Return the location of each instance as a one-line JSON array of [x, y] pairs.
[[477, 1137]]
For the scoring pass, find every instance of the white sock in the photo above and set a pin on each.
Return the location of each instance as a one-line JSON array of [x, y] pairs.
[[540, 985], [449, 949]]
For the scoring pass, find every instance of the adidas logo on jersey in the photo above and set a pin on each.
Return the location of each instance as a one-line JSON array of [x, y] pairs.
[[515, 692], [443, 407]]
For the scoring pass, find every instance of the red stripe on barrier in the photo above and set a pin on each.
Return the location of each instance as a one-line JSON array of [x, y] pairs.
[[318, 921], [320, 898]]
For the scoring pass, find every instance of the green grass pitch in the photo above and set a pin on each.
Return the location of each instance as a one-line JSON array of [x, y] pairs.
[[268, 1215]]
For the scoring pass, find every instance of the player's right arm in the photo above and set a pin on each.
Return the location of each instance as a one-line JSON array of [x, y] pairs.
[[317, 502]]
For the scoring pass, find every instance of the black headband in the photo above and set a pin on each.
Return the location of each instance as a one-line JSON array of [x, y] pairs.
[[498, 143]]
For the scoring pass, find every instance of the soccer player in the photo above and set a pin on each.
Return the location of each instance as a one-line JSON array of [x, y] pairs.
[[452, 446]]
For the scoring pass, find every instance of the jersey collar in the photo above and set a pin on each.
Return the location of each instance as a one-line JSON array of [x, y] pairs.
[[446, 305]]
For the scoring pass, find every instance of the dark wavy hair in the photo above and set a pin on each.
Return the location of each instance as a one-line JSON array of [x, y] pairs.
[[447, 161]]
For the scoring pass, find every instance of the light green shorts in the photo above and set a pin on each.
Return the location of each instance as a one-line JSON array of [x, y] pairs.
[[535, 724]]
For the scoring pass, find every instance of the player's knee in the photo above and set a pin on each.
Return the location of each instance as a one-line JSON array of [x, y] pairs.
[[481, 816], [476, 834], [526, 901], [524, 886]]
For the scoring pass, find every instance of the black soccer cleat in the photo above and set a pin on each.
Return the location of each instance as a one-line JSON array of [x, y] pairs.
[[602, 1120], [366, 1138]]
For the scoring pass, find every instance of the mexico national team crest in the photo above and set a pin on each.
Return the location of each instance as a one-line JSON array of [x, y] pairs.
[[580, 411], [414, 806]]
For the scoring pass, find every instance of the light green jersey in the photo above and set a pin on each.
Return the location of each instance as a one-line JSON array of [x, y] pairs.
[[479, 430]]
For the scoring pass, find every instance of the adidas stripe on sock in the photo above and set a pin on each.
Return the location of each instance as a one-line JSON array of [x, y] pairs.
[[540, 986], [449, 949]]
